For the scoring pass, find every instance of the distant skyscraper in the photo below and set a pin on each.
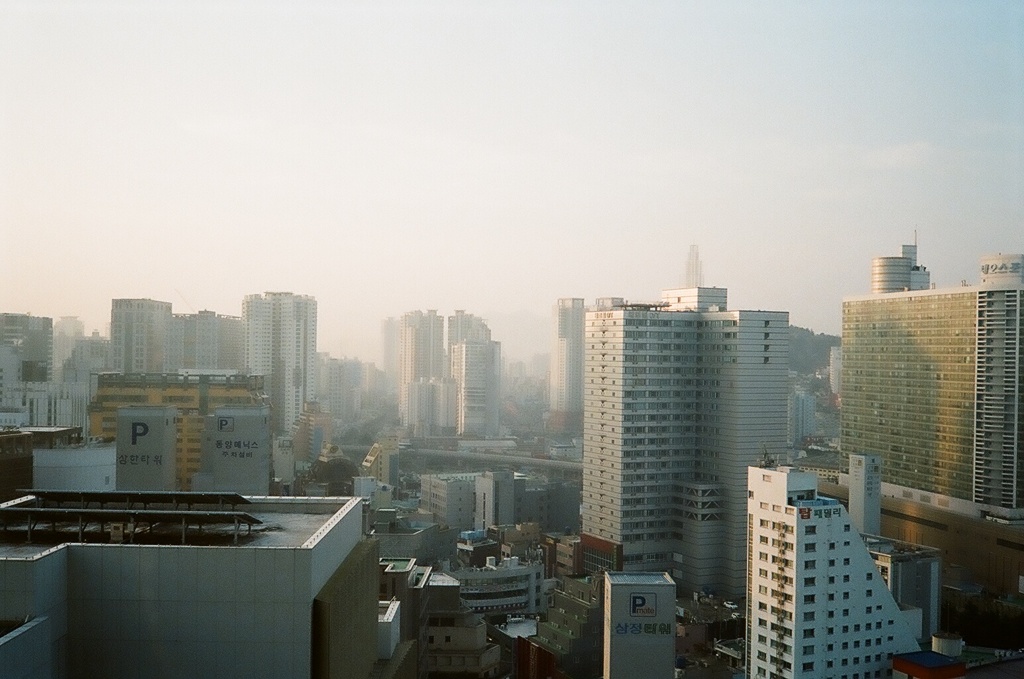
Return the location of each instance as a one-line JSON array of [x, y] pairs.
[[66, 333], [280, 343], [565, 392], [464, 327], [933, 383], [802, 416], [835, 369], [139, 331], [422, 355], [815, 612], [680, 398], [476, 370], [32, 339], [391, 351], [694, 269], [206, 341]]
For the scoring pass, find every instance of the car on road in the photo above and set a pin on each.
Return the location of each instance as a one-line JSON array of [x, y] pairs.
[[730, 605]]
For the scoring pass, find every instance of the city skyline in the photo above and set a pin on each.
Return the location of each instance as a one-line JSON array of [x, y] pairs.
[[385, 159]]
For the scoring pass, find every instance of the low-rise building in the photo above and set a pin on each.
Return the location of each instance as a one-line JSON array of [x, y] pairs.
[[509, 586]]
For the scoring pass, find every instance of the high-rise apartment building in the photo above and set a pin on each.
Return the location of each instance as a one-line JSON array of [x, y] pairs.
[[67, 331], [680, 398], [32, 339], [139, 332], [280, 344], [565, 386], [391, 351], [932, 383], [206, 341], [817, 605], [476, 371], [463, 327], [422, 353]]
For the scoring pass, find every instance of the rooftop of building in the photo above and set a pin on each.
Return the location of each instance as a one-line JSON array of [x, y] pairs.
[[254, 522], [881, 544], [617, 578]]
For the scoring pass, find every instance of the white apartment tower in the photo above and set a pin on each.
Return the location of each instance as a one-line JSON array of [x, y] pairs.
[[476, 370], [817, 606], [565, 392], [139, 331], [680, 398], [280, 344]]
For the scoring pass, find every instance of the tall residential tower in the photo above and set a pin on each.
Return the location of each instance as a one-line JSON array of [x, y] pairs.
[[680, 398], [280, 344]]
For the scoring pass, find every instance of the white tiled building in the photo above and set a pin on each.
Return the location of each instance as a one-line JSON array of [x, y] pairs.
[[680, 398], [817, 605]]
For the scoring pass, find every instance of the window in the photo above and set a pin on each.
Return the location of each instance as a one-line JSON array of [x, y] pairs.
[[846, 528], [809, 582], [831, 579], [809, 633], [856, 628], [808, 667], [809, 565], [808, 598], [808, 650], [846, 578], [810, 530], [808, 616], [846, 561], [869, 593], [831, 563], [870, 576], [810, 547], [846, 595]]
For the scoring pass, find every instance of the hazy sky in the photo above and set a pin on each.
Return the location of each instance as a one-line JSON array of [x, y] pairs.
[[389, 156]]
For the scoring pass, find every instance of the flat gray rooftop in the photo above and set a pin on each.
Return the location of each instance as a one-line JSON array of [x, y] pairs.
[[280, 522]]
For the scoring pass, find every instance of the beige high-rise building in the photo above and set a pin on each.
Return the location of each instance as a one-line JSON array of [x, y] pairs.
[[139, 332]]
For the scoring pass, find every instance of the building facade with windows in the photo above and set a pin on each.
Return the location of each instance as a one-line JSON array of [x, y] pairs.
[[932, 384], [565, 379], [680, 398], [280, 344], [817, 605]]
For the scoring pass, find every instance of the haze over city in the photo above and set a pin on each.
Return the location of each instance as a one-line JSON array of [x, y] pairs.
[[384, 158]]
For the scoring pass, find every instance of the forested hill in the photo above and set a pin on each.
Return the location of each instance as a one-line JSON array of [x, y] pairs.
[[808, 351]]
